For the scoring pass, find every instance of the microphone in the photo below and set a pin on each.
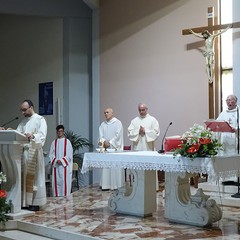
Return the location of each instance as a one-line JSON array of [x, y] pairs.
[[161, 150], [10, 121]]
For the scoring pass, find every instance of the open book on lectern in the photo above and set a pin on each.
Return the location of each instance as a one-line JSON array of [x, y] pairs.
[[218, 126]]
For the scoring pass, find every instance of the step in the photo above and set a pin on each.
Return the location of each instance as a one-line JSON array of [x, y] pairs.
[[16, 229], [217, 187], [20, 235]]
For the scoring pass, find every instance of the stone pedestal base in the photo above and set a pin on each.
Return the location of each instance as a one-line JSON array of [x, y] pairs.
[[138, 197], [22, 213], [182, 207]]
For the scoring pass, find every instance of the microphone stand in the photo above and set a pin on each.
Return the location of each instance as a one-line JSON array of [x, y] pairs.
[[16, 118], [237, 195], [161, 150]]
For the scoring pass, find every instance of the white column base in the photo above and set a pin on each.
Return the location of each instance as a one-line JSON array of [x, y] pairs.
[[139, 199], [182, 207]]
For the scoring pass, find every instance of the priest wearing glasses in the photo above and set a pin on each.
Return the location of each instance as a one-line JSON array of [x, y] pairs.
[[34, 127]]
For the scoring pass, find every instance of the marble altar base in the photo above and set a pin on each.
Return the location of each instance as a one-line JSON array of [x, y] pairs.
[[139, 199], [183, 207]]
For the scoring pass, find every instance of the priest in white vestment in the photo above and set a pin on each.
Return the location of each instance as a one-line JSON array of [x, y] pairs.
[[231, 115], [34, 127], [111, 135], [61, 157], [229, 141], [144, 131]]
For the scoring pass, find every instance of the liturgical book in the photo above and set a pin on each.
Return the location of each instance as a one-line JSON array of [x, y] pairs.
[[219, 126]]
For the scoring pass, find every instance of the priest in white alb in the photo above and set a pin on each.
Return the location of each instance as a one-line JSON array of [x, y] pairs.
[[34, 127], [229, 142], [231, 115], [144, 131], [111, 137], [61, 157]]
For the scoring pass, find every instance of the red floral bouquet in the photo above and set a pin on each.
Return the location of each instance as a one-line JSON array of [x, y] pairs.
[[198, 142], [4, 206]]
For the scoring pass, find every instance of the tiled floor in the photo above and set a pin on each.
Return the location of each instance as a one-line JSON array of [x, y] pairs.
[[86, 212]]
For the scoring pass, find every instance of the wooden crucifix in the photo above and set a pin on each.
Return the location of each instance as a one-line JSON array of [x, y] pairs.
[[209, 53]]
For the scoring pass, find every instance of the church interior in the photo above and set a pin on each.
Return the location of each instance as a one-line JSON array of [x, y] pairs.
[[115, 53]]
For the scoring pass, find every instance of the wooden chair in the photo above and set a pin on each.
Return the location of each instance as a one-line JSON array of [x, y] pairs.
[[48, 179], [194, 180], [75, 176], [126, 148]]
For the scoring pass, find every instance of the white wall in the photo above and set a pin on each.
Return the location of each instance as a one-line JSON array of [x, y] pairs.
[[40, 49], [56, 49], [77, 75], [145, 58], [31, 53]]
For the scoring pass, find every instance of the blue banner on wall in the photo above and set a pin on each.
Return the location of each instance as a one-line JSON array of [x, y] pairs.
[[46, 98]]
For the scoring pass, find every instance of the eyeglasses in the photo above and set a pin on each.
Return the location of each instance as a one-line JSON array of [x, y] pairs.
[[24, 109]]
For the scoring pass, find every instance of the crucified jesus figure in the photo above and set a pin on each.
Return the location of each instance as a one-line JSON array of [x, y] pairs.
[[209, 49]]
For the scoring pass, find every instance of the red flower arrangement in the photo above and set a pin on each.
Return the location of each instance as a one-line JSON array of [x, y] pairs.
[[3, 193], [4, 206], [198, 142]]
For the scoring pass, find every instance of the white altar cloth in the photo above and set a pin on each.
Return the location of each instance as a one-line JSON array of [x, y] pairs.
[[218, 166]]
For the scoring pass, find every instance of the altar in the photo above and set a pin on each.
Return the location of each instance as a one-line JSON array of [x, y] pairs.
[[139, 198]]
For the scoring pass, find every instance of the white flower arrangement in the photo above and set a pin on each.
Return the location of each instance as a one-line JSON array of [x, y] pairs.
[[3, 178], [198, 142]]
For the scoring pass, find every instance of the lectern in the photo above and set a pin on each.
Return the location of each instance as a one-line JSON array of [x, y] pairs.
[[11, 145]]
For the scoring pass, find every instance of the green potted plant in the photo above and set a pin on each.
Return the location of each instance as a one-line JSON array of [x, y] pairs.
[[78, 143]]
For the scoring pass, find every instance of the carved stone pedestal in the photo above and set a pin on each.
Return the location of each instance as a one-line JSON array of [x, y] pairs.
[[138, 197], [182, 207]]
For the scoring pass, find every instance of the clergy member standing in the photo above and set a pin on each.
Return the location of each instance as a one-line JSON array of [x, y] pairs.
[[111, 135], [61, 157], [231, 115], [34, 127], [143, 130]]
